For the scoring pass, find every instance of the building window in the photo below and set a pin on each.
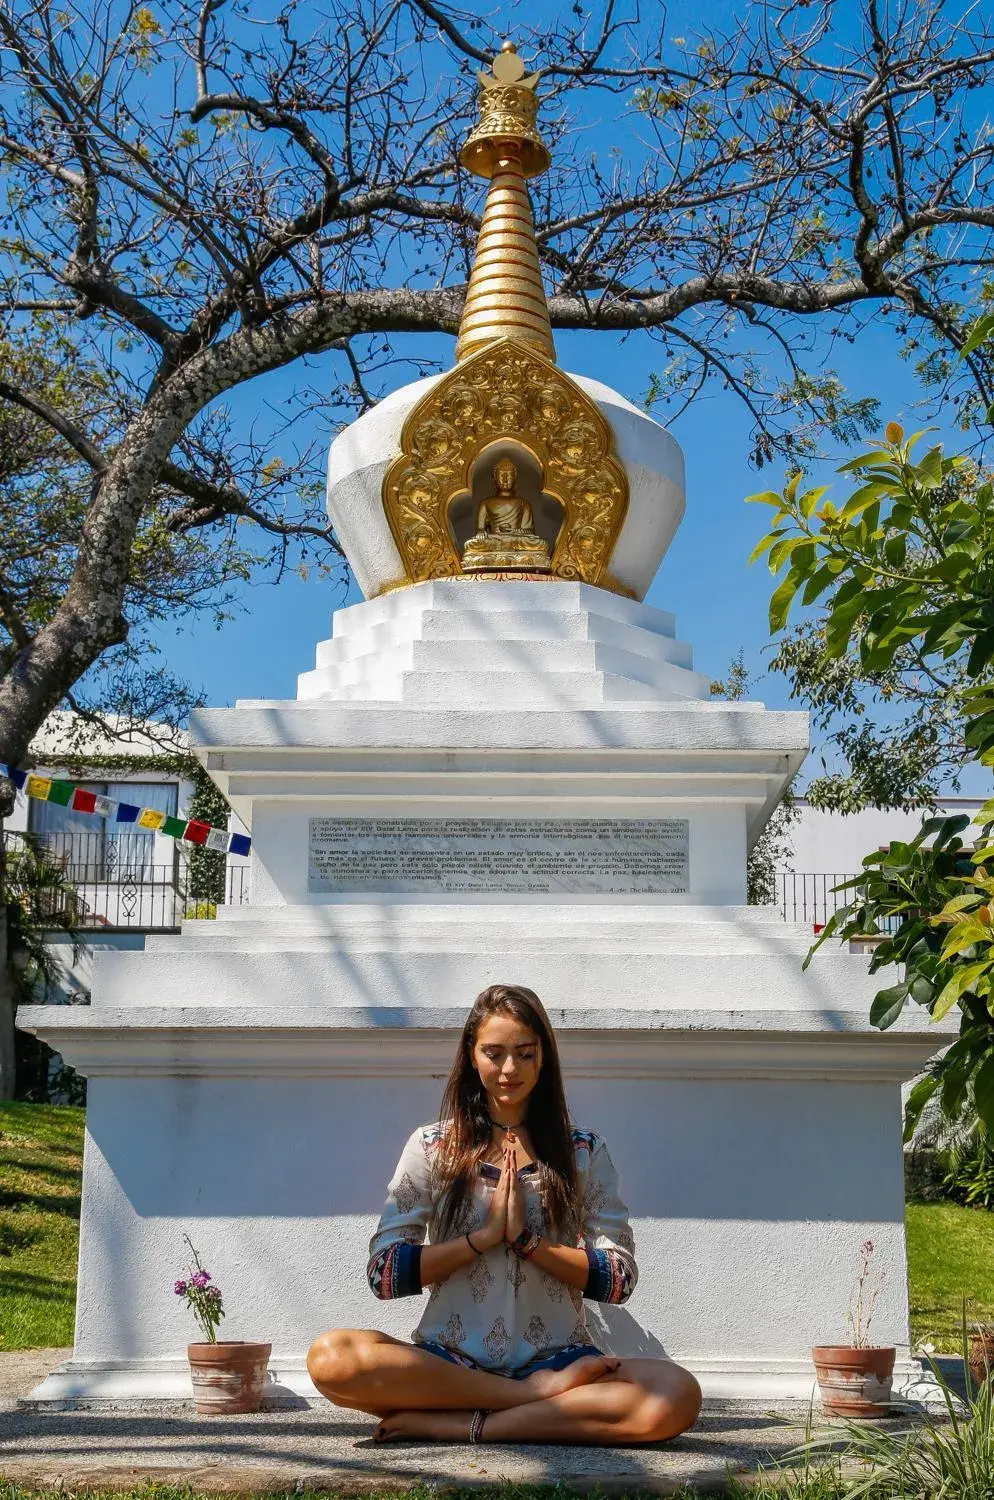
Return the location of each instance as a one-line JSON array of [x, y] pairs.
[[98, 849]]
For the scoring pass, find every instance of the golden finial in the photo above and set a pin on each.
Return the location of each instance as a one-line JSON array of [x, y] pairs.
[[505, 297], [508, 113]]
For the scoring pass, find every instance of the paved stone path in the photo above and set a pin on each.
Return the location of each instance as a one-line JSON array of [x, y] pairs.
[[318, 1447], [22, 1371]]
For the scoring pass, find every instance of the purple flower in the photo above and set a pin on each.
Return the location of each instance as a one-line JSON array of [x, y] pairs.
[[200, 1279], [180, 1288], [867, 1247]]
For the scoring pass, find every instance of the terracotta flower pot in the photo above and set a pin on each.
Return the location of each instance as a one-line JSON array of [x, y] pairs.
[[854, 1382], [228, 1377], [981, 1355]]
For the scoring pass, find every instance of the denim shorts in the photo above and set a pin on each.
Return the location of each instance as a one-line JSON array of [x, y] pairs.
[[556, 1359]]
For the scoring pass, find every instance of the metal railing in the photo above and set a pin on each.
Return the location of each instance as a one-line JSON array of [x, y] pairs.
[[810, 899], [111, 884]]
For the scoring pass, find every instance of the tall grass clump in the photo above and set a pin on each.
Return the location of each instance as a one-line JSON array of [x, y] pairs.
[[945, 1454]]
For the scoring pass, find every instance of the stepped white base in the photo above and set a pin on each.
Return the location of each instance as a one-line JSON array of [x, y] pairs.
[[595, 957], [544, 644]]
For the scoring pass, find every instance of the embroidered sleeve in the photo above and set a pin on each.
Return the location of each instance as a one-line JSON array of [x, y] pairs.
[[607, 1235], [394, 1268]]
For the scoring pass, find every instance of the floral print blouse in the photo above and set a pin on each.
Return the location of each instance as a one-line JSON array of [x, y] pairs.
[[500, 1311]]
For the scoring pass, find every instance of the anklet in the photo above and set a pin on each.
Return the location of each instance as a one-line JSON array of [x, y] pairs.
[[476, 1425]]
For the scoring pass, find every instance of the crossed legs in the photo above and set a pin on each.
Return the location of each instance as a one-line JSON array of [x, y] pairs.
[[597, 1400]]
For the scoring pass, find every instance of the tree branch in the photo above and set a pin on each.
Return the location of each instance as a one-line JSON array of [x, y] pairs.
[[58, 421]]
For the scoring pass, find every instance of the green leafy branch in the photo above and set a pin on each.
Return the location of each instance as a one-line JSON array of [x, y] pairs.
[[904, 570], [904, 896], [910, 561]]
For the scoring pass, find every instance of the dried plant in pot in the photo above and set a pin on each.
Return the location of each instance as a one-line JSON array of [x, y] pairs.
[[855, 1378], [229, 1376]]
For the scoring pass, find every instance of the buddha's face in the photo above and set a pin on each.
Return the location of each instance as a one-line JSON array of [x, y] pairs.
[[504, 476]]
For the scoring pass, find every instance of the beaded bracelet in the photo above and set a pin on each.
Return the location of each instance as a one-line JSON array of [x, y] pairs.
[[526, 1244]]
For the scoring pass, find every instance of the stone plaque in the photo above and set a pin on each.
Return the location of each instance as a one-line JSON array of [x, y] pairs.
[[521, 856]]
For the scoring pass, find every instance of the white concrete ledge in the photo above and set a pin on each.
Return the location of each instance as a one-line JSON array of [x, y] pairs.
[[117, 1381], [415, 971], [335, 727], [205, 1042]]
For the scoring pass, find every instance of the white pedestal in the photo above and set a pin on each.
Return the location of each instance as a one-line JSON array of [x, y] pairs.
[[252, 1080]]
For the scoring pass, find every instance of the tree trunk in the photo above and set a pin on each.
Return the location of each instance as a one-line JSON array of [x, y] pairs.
[[8, 1068]]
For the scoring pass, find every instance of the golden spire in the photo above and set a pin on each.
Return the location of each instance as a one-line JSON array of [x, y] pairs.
[[506, 298]]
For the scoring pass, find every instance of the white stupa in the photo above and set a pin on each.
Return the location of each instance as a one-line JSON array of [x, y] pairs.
[[502, 767]]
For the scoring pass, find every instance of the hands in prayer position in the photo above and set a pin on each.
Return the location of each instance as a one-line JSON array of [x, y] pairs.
[[506, 1220]]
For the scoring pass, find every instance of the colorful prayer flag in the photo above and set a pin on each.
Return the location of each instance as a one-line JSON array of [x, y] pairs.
[[66, 794]]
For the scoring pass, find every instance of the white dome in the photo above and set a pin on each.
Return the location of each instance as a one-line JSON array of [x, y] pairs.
[[361, 455]]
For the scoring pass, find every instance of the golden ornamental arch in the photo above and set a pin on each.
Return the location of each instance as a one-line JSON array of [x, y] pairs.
[[506, 391]]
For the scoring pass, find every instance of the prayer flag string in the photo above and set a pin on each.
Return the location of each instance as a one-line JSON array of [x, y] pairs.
[[65, 794]]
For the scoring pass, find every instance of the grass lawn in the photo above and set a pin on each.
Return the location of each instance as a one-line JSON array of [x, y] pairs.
[[950, 1256], [41, 1159], [950, 1249]]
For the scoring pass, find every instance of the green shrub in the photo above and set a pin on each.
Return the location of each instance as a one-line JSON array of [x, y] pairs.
[[925, 1175], [201, 911], [969, 1171]]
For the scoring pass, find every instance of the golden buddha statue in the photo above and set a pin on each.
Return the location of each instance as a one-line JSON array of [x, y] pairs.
[[505, 540]]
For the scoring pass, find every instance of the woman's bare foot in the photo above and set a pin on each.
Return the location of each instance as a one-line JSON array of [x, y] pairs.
[[546, 1383], [436, 1426]]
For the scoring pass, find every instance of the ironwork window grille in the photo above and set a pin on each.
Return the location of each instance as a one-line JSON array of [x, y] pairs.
[[98, 849]]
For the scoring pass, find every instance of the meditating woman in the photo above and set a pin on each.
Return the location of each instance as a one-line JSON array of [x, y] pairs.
[[524, 1220]]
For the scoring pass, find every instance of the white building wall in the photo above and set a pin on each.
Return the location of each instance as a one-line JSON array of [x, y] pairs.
[[834, 843]]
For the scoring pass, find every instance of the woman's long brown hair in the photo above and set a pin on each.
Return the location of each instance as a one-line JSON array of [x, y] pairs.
[[466, 1115]]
